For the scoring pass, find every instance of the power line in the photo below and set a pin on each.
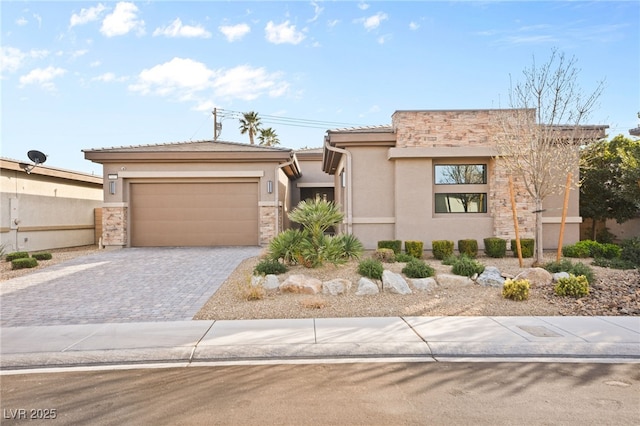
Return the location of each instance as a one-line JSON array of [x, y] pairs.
[[289, 121]]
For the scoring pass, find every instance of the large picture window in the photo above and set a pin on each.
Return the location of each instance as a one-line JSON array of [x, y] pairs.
[[460, 188]]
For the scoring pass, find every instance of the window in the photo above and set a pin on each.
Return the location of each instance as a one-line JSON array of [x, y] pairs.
[[460, 188]]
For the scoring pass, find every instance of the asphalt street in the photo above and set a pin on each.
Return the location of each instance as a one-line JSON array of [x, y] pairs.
[[330, 394]]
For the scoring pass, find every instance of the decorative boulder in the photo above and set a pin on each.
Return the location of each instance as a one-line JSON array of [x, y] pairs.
[[451, 280], [424, 284], [257, 280], [301, 284], [394, 283], [491, 277], [336, 286], [559, 275], [537, 277], [367, 287], [271, 283]]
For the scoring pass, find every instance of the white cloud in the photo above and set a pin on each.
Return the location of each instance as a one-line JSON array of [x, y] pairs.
[[234, 32], [189, 80], [413, 26], [95, 64], [176, 29], [43, 77], [78, 53], [317, 10], [108, 77], [373, 22], [21, 22], [383, 39], [363, 6], [11, 59], [38, 18], [87, 15], [283, 33], [123, 20], [333, 23]]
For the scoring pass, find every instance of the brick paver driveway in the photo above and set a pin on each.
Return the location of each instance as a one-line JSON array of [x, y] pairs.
[[127, 285]]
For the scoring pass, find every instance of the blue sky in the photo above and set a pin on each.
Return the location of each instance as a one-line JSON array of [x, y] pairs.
[[79, 75]]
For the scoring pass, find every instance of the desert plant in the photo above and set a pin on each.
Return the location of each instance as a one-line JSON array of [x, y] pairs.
[[16, 255], [449, 260], [395, 245], [385, 255], [442, 248], [352, 247], [315, 302], [581, 249], [414, 248], [269, 267], [24, 262], [42, 256], [370, 268], [516, 289], [565, 265], [607, 251], [495, 247], [468, 247], [417, 268], [403, 257], [286, 246], [466, 266], [575, 286], [615, 263], [631, 251], [581, 269], [527, 246]]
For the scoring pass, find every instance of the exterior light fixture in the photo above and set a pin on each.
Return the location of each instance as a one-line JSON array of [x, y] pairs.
[[270, 186], [112, 187], [343, 179], [113, 176]]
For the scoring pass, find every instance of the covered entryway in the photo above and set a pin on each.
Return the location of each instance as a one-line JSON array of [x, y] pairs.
[[194, 214]]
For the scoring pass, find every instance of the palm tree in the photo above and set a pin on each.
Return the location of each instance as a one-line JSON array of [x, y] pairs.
[[268, 137], [250, 122]]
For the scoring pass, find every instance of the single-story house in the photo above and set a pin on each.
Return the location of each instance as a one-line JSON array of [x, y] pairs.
[[47, 208], [392, 182]]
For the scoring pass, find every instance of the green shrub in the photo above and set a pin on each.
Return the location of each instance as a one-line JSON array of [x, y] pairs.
[[417, 268], [564, 265], [16, 255], [442, 248], [615, 263], [268, 267], [370, 268], [385, 255], [351, 247], [571, 268], [575, 251], [527, 245], [495, 247], [414, 248], [631, 251], [449, 260], [575, 286], [466, 266], [24, 262], [395, 245], [42, 256], [581, 269], [516, 289], [468, 248], [607, 251], [286, 246], [404, 257]]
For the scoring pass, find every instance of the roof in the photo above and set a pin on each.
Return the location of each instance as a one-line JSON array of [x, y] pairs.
[[42, 170], [192, 146], [363, 129]]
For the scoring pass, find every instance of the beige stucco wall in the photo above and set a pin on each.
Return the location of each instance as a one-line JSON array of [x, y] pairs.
[[40, 212]]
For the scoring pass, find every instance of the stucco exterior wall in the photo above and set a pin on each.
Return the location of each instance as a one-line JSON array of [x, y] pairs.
[[40, 211]]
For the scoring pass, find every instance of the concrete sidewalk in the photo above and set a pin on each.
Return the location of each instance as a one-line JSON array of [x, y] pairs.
[[589, 339]]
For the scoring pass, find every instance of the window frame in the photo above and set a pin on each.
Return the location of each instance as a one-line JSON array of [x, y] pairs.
[[462, 188]]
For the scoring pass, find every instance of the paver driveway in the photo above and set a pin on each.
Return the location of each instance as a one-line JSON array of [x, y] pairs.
[[127, 285]]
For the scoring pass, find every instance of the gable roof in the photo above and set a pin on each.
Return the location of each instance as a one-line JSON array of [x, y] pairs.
[[192, 146]]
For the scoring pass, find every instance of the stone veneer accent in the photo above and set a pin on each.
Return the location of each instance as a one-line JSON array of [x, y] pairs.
[[114, 226], [470, 128], [268, 229]]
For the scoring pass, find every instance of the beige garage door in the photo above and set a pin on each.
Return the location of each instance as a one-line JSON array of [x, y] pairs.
[[194, 214]]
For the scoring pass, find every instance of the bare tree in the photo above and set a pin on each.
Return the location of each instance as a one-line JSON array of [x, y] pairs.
[[541, 135]]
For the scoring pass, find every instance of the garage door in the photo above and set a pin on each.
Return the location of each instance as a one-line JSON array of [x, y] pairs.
[[194, 214]]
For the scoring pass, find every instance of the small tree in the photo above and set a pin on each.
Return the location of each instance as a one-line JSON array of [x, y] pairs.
[[250, 123], [539, 138]]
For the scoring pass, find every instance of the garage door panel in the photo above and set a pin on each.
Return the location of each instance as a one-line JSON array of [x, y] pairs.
[[194, 214]]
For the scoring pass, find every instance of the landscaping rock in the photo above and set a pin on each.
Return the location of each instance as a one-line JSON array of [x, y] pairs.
[[491, 277], [559, 275], [271, 283], [424, 284], [336, 286], [451, 280], [394, 283], [537, 277], [301, 284], [367, 287], [257, 280]]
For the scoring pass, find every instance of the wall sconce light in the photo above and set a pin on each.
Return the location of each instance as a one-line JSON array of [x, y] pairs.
[[112, 187], [270, 186], [112, 176]]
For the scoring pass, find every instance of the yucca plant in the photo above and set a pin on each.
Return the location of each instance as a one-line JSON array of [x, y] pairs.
[[316, 216]]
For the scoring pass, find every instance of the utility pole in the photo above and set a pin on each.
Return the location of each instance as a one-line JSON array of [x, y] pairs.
[[215, 124]]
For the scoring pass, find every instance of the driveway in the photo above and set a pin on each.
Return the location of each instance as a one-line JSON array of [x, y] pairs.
[[127, 285]]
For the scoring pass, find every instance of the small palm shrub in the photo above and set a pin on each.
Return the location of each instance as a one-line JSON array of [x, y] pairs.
[[466, 266], [16, 255], [404, 257], [269, 267], [468, 248], [442, 248], [24, 262], [371, 268], [630, 251], [495, 247], [417, 268], [395, 245], [575, 286], [351, 246], [286, 246], [42, 256], [385, 255], [527, 246], [516, 289], [414, 248]]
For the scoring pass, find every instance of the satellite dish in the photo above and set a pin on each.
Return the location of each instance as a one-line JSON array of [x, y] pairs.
[[36, 156]]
